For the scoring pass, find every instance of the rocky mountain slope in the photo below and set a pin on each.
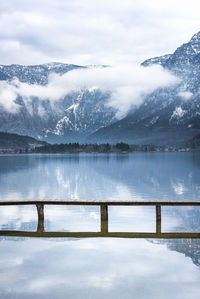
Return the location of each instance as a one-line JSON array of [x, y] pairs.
[[34, 74], [72, 118], [168, 115]]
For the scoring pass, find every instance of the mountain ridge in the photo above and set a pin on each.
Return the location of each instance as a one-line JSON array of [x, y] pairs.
[[10, 141], [168, 115], [72, 118]]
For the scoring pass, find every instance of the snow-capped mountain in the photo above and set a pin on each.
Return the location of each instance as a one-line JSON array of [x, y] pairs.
[[168, 115], [34, 74], [72, 118]]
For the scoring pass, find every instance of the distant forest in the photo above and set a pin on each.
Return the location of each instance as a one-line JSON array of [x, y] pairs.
[[93, 148], [13, 143]]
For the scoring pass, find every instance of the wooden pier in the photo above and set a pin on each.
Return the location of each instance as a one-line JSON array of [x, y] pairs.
[[104, 232]]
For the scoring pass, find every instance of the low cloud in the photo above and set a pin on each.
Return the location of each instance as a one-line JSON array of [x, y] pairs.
[[8, 94], [185, 95], [127, 86]]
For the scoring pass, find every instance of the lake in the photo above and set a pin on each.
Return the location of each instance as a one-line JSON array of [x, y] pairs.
[[101, 266]]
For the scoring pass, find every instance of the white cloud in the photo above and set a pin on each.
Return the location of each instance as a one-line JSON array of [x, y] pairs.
[[93, 31], [186, 95], [127, 85], [8, 96]]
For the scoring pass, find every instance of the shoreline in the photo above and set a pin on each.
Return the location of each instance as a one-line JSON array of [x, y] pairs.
[[92, 153]]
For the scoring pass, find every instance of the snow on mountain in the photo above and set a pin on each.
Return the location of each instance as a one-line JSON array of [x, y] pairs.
[[73, 117], [168, 115], [34, 74]]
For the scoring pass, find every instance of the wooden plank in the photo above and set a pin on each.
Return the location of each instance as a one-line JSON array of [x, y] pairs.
[[99, 235], [101, 202], [158, 219], [40, 211], [104, 218]]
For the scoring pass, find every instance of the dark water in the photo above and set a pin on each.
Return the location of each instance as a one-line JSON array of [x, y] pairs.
[[100, 267]]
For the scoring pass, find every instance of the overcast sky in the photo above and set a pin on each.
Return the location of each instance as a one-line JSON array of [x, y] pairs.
[[94, 31]]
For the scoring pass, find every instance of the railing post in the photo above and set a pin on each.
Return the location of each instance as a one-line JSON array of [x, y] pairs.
[[40, 211], [104, 218], [158, 219]]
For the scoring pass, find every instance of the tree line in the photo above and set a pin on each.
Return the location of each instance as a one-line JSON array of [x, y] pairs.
[[93, 148]]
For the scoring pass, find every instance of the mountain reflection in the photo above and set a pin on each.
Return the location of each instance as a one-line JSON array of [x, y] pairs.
[[99, 267], [121, 219], [153, 176], [189, 247]]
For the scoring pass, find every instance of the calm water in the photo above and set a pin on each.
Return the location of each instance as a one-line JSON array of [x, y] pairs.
[[100, 267], [157, 176]]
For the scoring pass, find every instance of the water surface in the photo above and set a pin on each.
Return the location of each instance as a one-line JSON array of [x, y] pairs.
[[139, 176], [114, 268]]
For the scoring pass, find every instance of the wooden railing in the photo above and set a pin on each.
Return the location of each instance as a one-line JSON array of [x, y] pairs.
[[104, 232]]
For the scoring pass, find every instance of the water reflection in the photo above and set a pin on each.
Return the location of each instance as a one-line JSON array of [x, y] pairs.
[[181, 219], [18, 218], [70, 218], [161, 176], [95, 268], [98, 267], [132, 219]]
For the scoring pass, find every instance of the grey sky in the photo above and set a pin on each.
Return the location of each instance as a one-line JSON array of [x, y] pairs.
[[93, 31]]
